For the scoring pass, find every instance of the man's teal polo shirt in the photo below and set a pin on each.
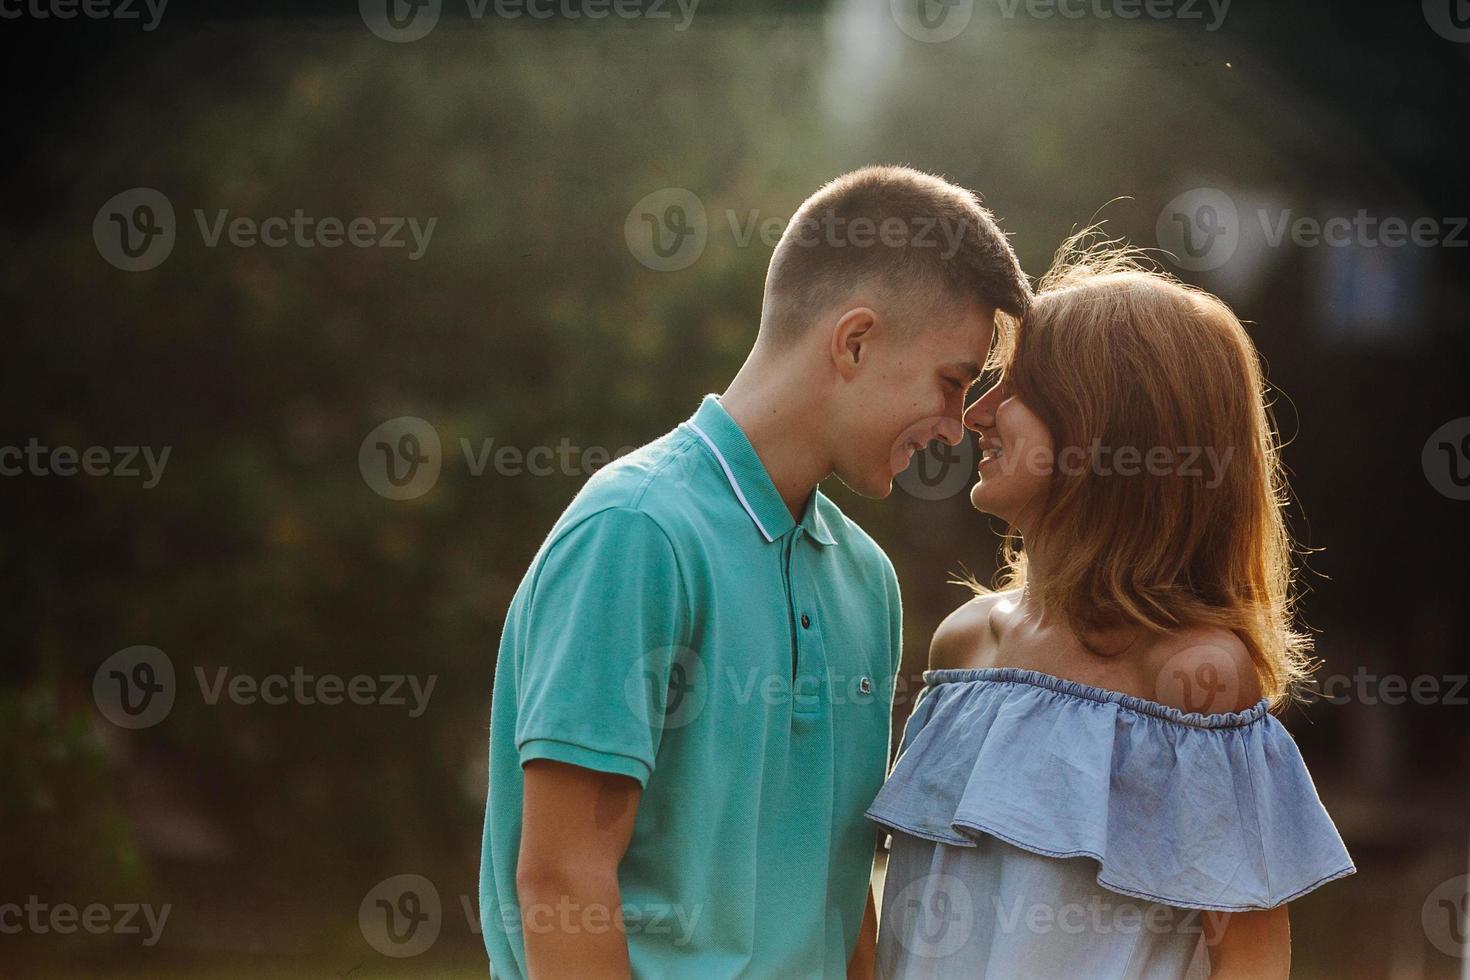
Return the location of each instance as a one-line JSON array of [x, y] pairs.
[[677, 626]]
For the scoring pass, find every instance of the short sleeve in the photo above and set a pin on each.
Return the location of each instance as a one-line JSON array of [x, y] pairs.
[[605, 623]]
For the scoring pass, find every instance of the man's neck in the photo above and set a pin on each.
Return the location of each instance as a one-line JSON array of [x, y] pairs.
[[780, 430]]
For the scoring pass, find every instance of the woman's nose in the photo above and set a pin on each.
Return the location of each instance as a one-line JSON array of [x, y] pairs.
[[971, 415]]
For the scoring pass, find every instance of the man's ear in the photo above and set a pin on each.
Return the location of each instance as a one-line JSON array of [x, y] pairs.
[[852, 339]]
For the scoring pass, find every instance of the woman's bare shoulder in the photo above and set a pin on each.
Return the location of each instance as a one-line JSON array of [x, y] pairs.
[[964, 639], [1205, 669]]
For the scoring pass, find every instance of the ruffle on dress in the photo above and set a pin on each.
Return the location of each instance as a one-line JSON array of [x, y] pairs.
[[1186, 809]]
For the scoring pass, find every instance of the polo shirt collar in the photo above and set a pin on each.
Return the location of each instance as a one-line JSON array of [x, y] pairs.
[[748, 478]]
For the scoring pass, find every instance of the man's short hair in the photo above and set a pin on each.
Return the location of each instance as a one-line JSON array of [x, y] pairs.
[[914, 234]]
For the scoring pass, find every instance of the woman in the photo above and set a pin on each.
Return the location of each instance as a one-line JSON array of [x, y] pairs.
[[1091, 783]]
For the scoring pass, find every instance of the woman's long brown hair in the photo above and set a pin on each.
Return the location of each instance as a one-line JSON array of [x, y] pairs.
[[1115, 354]]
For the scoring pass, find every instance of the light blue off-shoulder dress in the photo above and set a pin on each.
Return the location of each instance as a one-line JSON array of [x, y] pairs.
[[1044, 828]]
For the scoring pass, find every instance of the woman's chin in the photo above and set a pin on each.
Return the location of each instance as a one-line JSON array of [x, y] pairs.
[[977, 496], [982, 498]]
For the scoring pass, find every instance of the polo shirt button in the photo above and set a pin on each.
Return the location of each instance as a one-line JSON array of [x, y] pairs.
[[865, 686], [806, 621]]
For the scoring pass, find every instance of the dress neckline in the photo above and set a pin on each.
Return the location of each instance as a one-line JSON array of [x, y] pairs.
[[1076, 689]]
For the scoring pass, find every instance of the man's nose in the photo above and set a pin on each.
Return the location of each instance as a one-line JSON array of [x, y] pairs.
[[951, 431]]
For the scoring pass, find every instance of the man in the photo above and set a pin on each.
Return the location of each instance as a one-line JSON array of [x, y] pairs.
[[691, 704]]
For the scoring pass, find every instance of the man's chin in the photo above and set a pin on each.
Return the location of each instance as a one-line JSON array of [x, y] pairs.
[[870, 489]]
